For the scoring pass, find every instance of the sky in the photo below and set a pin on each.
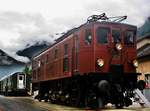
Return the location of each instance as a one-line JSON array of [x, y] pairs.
[[25, 22]]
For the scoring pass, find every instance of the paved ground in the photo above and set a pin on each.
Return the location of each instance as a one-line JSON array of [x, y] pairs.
[[18, 104], [28, 104]]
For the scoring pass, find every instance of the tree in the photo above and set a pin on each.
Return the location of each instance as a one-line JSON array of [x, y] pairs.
[[27, 70], [145, 28]]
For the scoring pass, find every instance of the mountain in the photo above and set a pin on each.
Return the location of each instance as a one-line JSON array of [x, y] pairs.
[[6, 60], [9, 65], [33, 50], [144, 29]]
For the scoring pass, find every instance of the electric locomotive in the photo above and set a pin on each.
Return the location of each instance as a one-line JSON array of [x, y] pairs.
[[90, 66]]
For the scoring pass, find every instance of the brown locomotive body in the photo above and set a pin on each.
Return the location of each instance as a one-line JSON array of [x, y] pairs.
[[89, 66]]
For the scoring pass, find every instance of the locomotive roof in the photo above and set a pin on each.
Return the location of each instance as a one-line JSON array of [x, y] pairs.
[[116, 23], [71, 31]]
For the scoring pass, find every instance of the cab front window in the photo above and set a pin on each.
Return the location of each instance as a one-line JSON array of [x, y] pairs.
[[129, 37], [116, 36], [102, 34]]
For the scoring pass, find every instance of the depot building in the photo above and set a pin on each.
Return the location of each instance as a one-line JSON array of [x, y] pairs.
[[143, 57]]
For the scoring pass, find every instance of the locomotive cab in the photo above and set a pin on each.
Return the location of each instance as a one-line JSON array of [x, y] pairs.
[[110, 49], [115, 59], [115, 46]]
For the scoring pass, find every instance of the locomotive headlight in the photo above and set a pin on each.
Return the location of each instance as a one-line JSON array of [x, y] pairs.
[[118, 46], [100, 62], [135, 63]]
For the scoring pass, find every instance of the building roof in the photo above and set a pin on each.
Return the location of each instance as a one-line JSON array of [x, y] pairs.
[[143, 51], [146, 36], [143, 46]]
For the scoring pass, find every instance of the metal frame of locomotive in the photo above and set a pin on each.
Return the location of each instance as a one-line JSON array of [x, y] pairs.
[[91, 65], [15, 84]]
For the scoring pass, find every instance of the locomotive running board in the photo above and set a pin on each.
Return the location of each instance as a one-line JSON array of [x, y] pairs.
[[142, 99]]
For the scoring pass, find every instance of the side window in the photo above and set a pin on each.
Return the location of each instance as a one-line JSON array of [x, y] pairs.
[[38, 73], [39, 63], [88, 37], [76, 51], [66, 59], [56, 54], [147, 80], [66, 49], [47, 58], [20, 78], [65, 64], [129, 37], [34, 74], [116, 36], [102, 34]]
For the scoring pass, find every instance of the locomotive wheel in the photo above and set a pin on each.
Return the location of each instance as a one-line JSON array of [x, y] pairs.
[[53, 97], [119, 105], [75, 94], [103, 93], [128, 101], [46, 97], [100, 102], [119, 102], [91, 99]]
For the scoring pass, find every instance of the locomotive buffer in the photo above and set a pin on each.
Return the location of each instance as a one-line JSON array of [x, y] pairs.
[[141, 98]]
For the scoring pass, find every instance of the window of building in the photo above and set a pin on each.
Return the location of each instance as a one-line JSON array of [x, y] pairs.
[[147, 80], [129, 37], [65, 64], [102, 34], [66, 49], [88, 37], [116, 36]]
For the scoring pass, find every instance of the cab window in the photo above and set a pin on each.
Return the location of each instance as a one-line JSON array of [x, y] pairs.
[[88, 37], [116, 36], [129, 37], [102, 34]]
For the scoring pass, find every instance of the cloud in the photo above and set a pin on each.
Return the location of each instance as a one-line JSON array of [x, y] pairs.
[[18, 30], [136, 10]]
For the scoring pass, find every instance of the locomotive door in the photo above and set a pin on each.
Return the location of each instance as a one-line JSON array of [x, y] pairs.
[[116, 39]]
